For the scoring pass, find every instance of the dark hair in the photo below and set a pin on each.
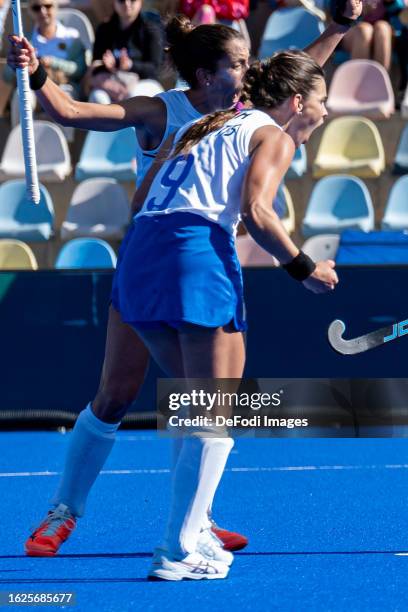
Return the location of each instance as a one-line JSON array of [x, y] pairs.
[[268, 84], [191, 47]]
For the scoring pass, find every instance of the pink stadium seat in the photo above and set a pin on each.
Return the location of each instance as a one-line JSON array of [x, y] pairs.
[[361, 87], [251, 254]]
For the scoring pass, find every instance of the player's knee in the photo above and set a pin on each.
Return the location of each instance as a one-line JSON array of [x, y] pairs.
[[365, 32], [382, 30]]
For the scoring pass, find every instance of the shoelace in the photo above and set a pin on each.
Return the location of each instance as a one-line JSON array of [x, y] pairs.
[[208, 551], [54, 520]]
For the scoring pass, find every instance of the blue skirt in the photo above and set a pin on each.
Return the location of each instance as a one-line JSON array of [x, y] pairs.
[[176, 268]]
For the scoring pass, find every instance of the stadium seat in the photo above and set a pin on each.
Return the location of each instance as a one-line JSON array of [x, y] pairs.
[[361, 87], [283, 206], [147, 87], [298, 166], [73, 18], [401, 157], [350, 145], [396, 210], [16, 255], [108, 154], [338, 203], [20, 218], [322, 247], [316, 8], [86, 253], [291, 28], [98, 207], [251, 254], [53, 159]]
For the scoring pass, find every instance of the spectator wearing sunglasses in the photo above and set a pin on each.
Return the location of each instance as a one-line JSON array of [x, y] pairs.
[[59, 49], [127, 48]]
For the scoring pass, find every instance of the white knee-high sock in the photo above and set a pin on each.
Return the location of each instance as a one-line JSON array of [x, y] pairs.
[[90, 445], [196, 477], [177, 444]]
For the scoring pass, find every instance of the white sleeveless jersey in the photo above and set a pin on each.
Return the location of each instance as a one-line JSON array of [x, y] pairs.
[[208, 181], [179, 112]]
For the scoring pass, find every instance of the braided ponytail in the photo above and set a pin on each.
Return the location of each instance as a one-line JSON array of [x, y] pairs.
[[267, 84]]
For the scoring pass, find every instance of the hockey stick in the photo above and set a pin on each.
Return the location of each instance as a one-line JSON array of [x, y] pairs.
[[366, 342], [26, 117]]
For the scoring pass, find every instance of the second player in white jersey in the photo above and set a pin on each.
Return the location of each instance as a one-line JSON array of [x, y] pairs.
[[179, 112], [208, 180]]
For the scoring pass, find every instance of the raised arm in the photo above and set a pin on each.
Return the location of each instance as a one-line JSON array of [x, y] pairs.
[[146, 111], [323, 47], [272, 152]]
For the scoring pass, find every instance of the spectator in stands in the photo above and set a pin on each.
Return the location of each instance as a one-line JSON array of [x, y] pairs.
[[102, 9], [372, 37], [127, 48], [59, 49], [4, 7], [397, 15], [228, 12]]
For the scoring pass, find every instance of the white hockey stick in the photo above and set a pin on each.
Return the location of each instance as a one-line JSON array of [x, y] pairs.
[[26, 117], [366, 342]]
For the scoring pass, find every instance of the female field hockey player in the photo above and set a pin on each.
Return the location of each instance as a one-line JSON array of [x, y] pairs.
[[212, 59], [186, 301]]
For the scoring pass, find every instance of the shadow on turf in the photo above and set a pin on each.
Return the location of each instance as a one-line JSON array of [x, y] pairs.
[[147, 555], [138, 555], [69, 580]]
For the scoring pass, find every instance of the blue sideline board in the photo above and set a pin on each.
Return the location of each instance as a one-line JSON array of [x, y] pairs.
[[53, 325]]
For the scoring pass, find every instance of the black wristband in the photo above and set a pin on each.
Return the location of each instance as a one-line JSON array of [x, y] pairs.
[[344, 21], [38, 78], [301, 267]]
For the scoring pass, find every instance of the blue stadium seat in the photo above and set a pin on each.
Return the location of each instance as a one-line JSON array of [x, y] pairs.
[[20, 218], [298, 166], [401, 157], [283, 206], [86, 253], [338, 202], [292, 28], [396, 211], [108, 154]]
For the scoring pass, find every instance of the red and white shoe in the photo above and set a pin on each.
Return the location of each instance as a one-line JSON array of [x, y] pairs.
[[51, 533], [230, 539]]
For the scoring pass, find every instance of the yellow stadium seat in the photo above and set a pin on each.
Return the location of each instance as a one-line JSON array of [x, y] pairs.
[[16, 255], [350, 145]]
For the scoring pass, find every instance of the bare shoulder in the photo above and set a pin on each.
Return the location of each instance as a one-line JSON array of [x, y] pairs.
[[269, 137], [145, 109], [271, 148]]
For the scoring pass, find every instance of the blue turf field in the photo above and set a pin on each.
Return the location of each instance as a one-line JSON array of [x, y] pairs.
[[325, 518]]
